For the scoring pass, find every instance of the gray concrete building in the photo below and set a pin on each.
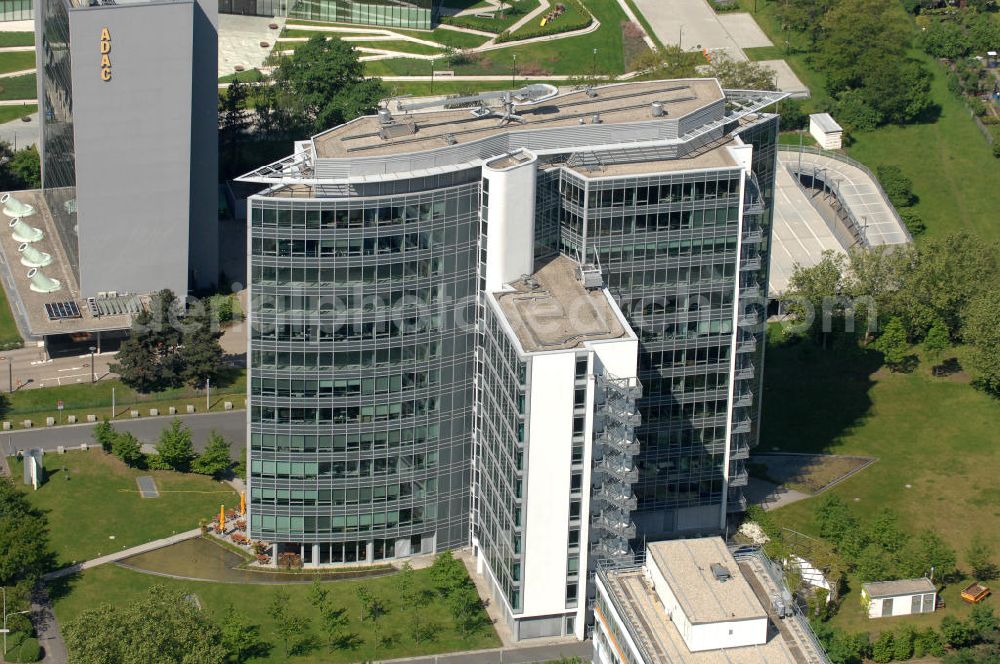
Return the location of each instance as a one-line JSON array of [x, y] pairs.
[[534, 326], [128, 98]]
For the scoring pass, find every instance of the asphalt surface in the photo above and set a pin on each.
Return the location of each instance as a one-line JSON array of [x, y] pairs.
[[232, 426]]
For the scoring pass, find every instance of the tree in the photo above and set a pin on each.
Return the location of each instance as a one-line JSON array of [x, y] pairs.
[[945, 39], [147, 360], [850, 28], [793, 114], [983, 621], [334, 624], [128, 449], [902, 643], [241, 637], [323, 85], [24, 541], [899, 91], [897, 186], [927, 552], [957, 633], [882, 648], [467, 609], [875, 564], [175, 448], [928, 642], [741, 74], [163, 625], [104, 435], [288, 626], [893, 344], [215, 460], [201, 355], [835, 519], [235, 121], [668, 62], [936, 342], [977, 557], [815, 295], [803, 16], [26, 166], [982, 332], [448, 574]]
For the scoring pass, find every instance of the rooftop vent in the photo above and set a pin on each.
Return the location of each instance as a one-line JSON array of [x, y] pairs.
[[595, 118], [15, 208], [657, 109], [384, 116], [22, 232], [591, 92], [721, 572]]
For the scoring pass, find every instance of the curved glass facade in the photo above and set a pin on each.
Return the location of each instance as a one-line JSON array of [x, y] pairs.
[[362, 346]]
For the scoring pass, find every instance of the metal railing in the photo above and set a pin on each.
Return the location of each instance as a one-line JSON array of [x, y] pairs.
[[778, 578], [857, 164]]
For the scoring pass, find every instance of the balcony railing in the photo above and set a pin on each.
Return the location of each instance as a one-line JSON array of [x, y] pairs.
[[743, 399], [750, 264], [743, 426], [737, 503], [746, 345], [753, 237], [744, 373]]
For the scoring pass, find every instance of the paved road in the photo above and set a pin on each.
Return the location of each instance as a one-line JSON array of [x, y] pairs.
[[232, 426], [524, 655], [30, 368]]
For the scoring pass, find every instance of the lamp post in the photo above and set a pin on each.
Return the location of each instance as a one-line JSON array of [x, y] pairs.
[[433, 62], [513, 72], [208, 394], [10, 373], [93, 378], [593, 70]]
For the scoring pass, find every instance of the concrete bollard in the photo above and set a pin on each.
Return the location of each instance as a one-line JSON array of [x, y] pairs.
[[60, 449], [26, 424], [84, 447], [91, 418], [50, 421], [227, 405], [153, 412], [190, 408], [134, 414], [6, 425], [71, 419], [172, 410]]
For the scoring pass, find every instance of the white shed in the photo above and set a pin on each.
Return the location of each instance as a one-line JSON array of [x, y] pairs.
[[899, 598], [826, 131]]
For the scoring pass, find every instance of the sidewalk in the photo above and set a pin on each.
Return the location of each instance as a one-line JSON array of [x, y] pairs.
[[120, 555], [527, 654]]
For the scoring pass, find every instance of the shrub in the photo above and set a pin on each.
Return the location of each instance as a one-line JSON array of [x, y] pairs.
[[560, 25], [897, 186], [882, 649], [913, 221]]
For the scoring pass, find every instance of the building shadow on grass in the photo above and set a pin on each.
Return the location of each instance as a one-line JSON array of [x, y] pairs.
[[814, 396]]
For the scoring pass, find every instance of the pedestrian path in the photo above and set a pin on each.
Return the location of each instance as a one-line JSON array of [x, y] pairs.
[[121, 555]]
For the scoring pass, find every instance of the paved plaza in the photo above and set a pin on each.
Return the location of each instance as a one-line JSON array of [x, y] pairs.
[[240, 38]]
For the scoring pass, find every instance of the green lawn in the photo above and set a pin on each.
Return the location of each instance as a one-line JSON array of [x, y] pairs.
[[115, 584], [95, 498], [8, 113], [500, 22], [451, 38], [398, 45], [248, 75], [954, 174], [572, 55], [83, 399], [16, 61], [19, 87], [937, 435], [9, 336], [17, 39]]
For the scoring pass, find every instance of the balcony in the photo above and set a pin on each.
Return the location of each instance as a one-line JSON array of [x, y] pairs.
[[743, 399], [749, 319], [740, 452], [740, 479], [746, 345], [737, 503], [753, 237], [622, 444], [742, 426], [750, 292], [744, 373], [750, 264]]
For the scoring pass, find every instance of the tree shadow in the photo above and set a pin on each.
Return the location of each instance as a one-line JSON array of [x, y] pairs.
[[813, 397], [348, 641], [949, 367], [304, 645], [929, 115]]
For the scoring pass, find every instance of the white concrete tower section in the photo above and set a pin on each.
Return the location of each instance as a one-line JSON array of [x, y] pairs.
[[509, 209], [570, 336]]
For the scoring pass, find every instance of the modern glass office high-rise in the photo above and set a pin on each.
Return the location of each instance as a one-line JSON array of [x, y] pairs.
[[381, 254], [411, 14]]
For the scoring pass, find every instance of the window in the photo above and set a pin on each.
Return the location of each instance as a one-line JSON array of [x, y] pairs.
[[581, 367], [570, 592]]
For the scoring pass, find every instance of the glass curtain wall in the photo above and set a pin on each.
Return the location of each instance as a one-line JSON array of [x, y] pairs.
[[16, 10], [361, 376]]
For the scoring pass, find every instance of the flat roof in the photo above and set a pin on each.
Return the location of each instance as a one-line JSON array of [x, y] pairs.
[[558, 313], [665, 645], [29, 306], [901, 587], [825, 122], [617, 103], [686, 566], [717, 157]]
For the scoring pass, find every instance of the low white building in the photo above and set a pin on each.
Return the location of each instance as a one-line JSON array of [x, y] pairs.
[[899, 598], [690, 603], [826, 131]]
